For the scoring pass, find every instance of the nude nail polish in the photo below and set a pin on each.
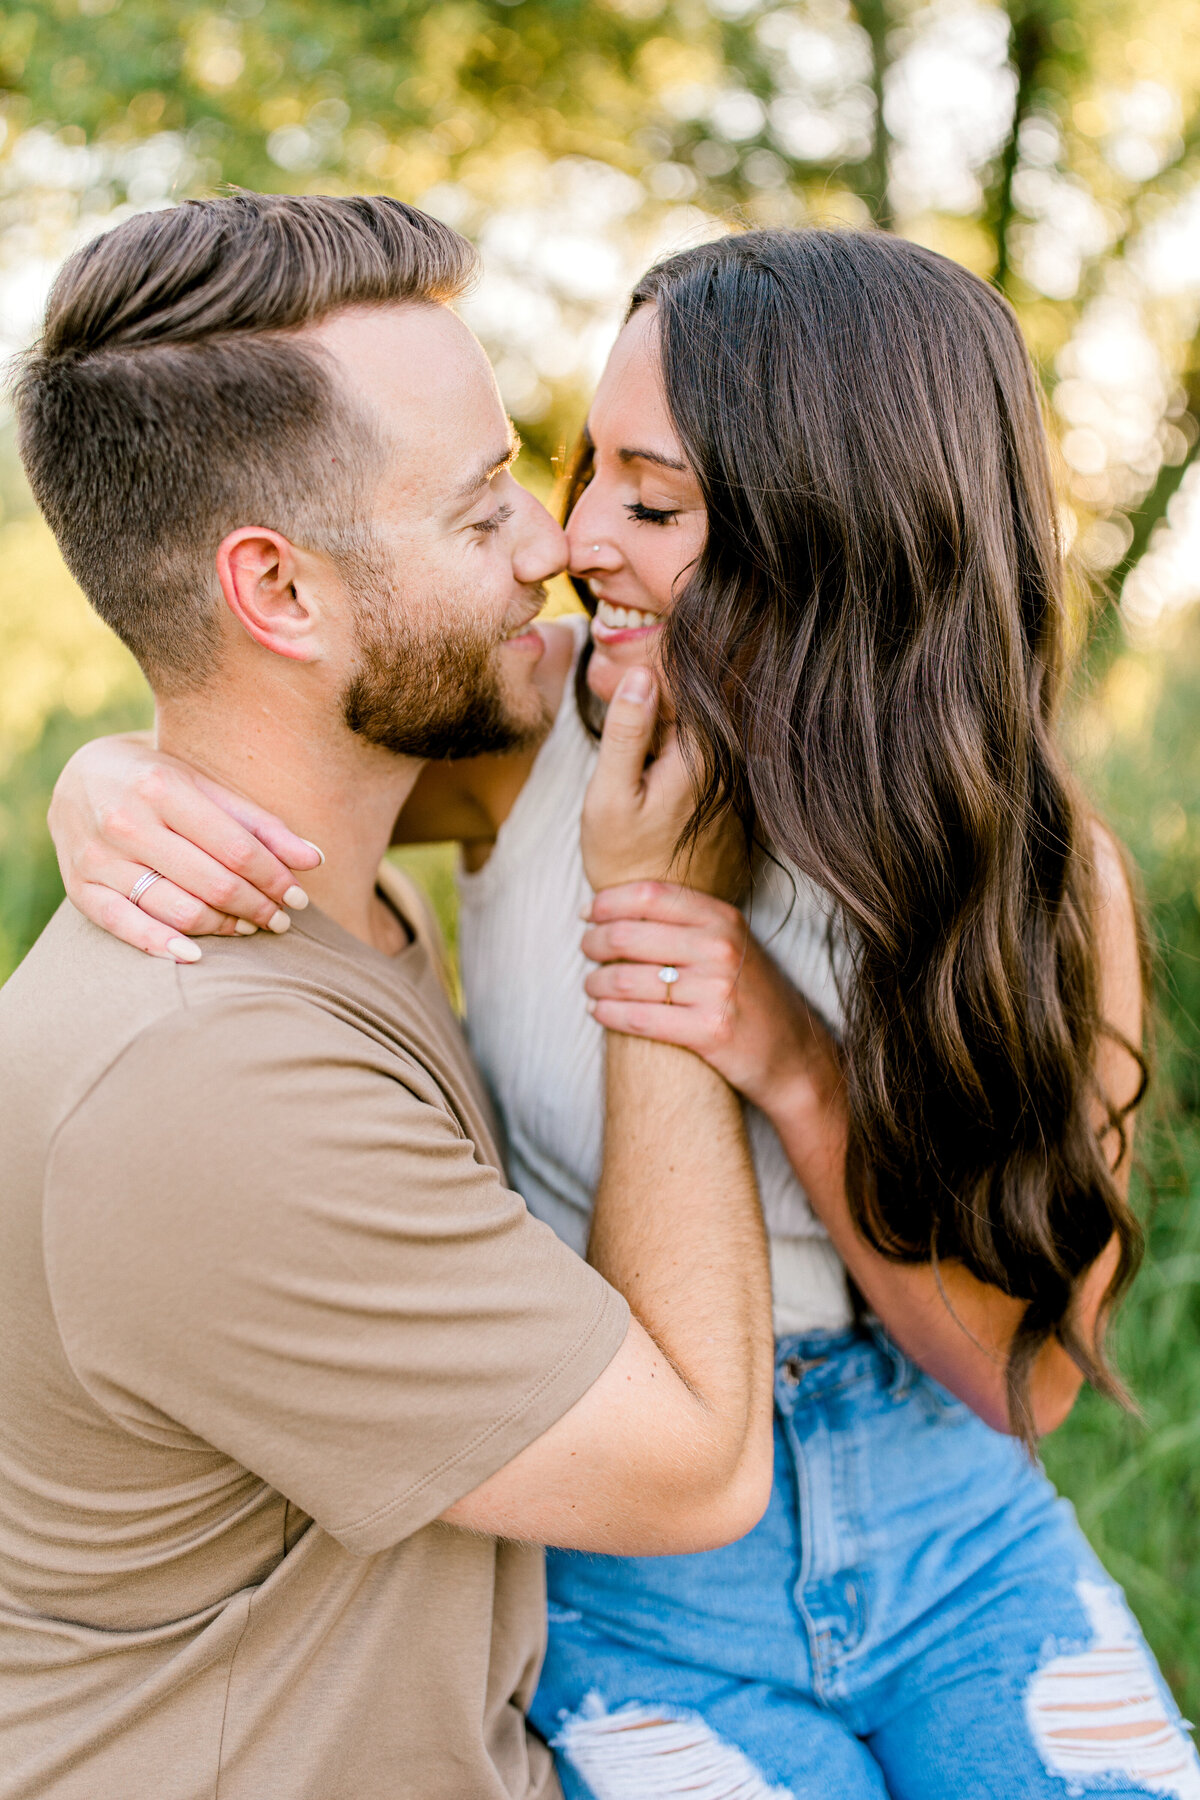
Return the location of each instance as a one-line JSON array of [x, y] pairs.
[[279, 922], [244, 928], [183, 949], [296, 897]]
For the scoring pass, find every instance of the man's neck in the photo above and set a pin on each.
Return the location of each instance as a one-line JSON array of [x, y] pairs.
[[328, 786]]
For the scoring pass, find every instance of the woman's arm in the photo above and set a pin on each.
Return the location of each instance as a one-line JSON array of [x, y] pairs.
[[122, 808], [734, 1007]]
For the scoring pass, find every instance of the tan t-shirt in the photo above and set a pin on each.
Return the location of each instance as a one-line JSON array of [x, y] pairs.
[[267, 1308]]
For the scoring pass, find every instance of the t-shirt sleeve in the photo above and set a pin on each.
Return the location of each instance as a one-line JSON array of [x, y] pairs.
[[262, 1233]]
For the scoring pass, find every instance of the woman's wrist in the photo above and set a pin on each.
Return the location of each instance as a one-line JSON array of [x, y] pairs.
[[788, 1095], [804, 1085]]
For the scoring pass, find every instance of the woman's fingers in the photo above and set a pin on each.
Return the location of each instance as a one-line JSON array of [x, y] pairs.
[[662, 900], [201, 823], [170, 905], [621, 837], [637, 941], [625, 741], [719, 953], [665, 1024], [165, 901], [210, 882], [641, 982], [670, 779], [291, 852], [113, 913]]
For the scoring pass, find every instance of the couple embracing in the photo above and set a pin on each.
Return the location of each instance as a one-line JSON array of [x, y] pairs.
[[817, 1121]]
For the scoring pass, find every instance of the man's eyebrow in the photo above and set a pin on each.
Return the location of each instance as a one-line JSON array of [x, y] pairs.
[[491, 467], [652, 456]]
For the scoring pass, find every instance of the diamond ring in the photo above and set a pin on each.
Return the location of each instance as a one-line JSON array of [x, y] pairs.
[[668, 975]]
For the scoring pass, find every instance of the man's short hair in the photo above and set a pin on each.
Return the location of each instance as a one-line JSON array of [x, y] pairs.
[[168, 400]]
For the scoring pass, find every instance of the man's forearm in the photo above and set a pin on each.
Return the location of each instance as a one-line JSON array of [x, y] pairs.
[[678, 1229]]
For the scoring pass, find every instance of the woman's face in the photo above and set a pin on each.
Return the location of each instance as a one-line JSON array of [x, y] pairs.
[[639, 525]]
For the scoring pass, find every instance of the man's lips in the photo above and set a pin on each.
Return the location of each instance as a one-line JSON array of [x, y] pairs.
[[614, 624], [521, 628]]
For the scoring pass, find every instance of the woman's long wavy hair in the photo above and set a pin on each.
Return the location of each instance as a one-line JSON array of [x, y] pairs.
[[868, 658]]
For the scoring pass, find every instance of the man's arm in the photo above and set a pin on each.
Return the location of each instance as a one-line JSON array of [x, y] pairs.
[[670, 1450], [120, 806]]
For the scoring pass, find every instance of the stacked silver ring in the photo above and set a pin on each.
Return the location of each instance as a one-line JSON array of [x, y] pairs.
[[142, 883]]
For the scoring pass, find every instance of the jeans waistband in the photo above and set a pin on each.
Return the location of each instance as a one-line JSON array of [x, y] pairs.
[[816, 1361]]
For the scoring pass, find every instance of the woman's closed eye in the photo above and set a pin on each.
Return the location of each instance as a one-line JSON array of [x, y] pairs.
[[649, 515]]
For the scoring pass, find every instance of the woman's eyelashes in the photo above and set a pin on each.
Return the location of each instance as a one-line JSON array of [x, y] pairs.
[[494, 521], [649, 515]]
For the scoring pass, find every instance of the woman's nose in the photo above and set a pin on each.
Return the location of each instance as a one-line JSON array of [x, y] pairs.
[[592, 546], [591, 550]]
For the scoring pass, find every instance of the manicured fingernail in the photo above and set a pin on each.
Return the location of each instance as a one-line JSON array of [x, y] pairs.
[[183, 949], [635, 685], [279, 921], [585, 913], [295, 897], [591, 1006], [317, 848], [244, 928]]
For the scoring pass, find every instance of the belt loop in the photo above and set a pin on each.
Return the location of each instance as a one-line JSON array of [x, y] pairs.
[[901, 1369]]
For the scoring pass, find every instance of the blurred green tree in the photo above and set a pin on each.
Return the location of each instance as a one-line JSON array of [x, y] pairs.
[[1051, 145]]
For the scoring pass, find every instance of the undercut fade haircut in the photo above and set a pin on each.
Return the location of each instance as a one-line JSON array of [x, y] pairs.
[[169, 400]]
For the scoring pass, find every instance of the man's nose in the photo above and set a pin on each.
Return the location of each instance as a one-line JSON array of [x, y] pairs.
[[542, 551]]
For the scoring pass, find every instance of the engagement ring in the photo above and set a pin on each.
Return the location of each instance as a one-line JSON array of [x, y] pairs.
[[668, 976]]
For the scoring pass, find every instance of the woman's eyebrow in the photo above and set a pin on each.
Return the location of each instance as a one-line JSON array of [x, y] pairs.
[[652, 456]]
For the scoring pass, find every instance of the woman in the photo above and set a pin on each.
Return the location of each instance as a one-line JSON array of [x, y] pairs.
[[815, 493]]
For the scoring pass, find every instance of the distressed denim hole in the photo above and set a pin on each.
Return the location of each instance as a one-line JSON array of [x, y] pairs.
[[645, 1752], [1100, 1713]]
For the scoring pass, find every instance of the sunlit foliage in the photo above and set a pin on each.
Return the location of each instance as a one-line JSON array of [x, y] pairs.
[[1051, 145]]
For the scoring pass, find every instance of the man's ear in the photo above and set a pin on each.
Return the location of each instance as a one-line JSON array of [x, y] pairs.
[[258, 572]]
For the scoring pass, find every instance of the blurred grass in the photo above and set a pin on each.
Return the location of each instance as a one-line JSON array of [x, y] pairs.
[[1135, 1482]]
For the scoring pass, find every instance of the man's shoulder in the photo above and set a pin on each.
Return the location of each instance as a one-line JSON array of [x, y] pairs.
[[80, 1002], [70, 1009]]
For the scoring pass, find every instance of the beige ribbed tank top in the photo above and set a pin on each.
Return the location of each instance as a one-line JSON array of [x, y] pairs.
[[542, 1055]]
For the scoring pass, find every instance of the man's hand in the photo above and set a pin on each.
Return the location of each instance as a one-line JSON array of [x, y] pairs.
[[634, 815]]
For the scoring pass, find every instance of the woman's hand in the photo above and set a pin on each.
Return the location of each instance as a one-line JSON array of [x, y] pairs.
[[635, 813], [121, 809], [730, 1004]]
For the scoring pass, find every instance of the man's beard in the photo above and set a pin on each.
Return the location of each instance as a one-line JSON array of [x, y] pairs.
[[435, 694]]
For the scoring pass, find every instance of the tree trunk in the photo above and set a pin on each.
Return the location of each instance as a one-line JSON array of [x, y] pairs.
[[873, 17], [1027, 52], [1106, 634]]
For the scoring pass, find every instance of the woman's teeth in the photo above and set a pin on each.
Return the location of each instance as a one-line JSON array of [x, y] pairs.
[[624, 618]]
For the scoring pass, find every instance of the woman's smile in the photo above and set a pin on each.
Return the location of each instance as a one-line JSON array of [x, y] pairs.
[[613, 624]]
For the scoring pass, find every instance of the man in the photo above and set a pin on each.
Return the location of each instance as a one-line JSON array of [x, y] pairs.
[[290, 1383]]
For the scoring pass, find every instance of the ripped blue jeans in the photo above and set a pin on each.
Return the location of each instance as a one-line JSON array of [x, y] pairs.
[[917, 1616]]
